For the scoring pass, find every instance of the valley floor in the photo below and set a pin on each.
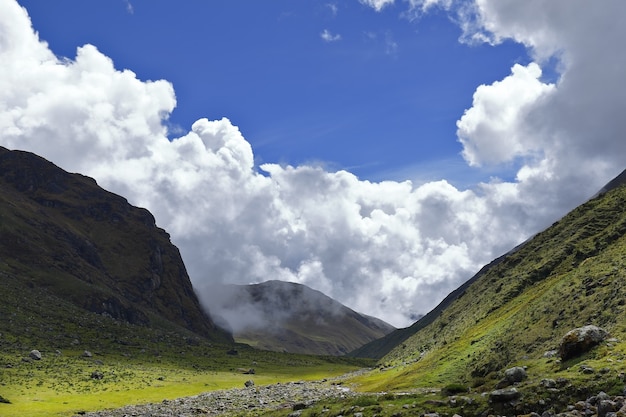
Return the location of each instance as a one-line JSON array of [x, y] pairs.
[[290, 396]]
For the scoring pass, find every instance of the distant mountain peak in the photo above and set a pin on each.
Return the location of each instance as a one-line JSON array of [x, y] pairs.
[[287, 316]]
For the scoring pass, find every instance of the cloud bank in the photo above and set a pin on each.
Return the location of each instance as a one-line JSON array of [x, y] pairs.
[[388, 249]]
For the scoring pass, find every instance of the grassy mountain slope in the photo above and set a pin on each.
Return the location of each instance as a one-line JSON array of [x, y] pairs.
[[378, 348], [570, 275], [289, 317], [63, 233]]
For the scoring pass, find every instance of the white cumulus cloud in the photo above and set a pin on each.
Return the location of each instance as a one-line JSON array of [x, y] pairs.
[[493, 130]]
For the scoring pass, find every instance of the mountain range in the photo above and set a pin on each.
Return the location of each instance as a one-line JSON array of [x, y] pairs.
[[290, 317]]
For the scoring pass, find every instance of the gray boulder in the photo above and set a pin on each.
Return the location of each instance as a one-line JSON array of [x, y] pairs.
[[515, 374], [35, 354], [504, 395], [581, 340]]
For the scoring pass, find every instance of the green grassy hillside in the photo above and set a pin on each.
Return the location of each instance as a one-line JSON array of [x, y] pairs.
[[570, 275]]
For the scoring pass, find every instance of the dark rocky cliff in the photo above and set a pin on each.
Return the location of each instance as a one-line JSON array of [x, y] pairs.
[[62, 232]]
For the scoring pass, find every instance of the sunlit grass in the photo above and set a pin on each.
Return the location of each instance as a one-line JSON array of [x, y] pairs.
[[138, 364], [58, 385]]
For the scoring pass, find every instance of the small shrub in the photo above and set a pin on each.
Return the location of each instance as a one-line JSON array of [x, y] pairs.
[[453, 389]]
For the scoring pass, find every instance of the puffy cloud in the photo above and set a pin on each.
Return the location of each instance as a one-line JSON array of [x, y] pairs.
[[493, 130], [389, 249], [567, 134]]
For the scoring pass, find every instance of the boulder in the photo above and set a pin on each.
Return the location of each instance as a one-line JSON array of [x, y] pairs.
[[504, 395], [515, 374], [35, 354], [581, 340]]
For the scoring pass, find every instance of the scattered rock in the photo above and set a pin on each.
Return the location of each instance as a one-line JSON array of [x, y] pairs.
[[35, 354], [232, 352], [581, 340], [585, 369], [235, 401], [87, 354], [548, 383], [515, 374], [504, 395], [97, 375], [249, 383], [299, 406], [562, 382], [605, 407], [550, 353]]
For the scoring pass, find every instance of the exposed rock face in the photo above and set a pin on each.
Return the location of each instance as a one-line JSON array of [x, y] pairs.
[[580, 340], [63, 232]]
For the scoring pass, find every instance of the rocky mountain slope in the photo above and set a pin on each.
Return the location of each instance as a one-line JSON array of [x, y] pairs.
[[521, 305], [290, 317], [62, 234]]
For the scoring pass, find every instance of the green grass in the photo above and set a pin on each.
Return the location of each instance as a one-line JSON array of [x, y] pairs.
[[62, 384], [139, 364]]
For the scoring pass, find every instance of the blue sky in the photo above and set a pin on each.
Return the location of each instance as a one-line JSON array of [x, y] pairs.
[[357, 147], [380, 99]]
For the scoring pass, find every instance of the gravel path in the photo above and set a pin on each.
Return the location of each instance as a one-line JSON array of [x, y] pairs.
[[291, 395]]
